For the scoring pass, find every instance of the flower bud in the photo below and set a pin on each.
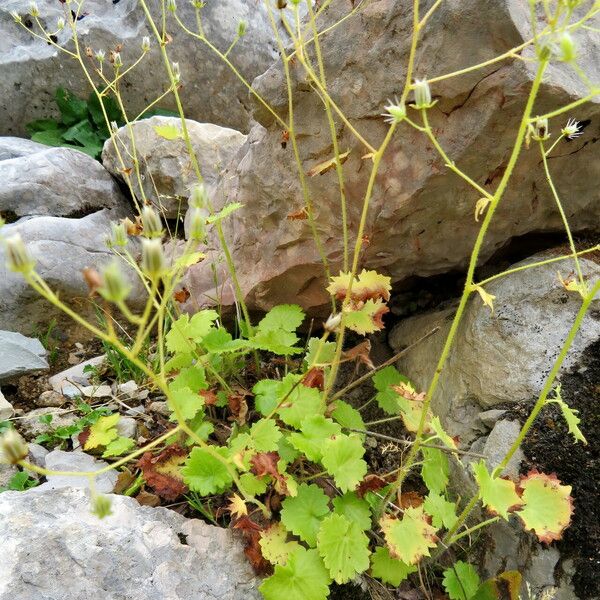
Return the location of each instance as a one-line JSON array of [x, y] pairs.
[[117, 60], [118, 235], [34, 11], [100, 56], [145, 44], [114, 127], [171, 5], [153, 258], [241, 29], [17, 256], [422, 93], [197, 224], [60, 24], [151, 223], [544, 50], [12, 447], [568, 49], [396, 112], [333, 322], [540, 130], [176, 72], [114, 288], [16, 16], [101, 506], [198, 196]]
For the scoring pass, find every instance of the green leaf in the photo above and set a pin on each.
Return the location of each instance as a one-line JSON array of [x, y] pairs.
[[170, 131], [326, 351], [206, 474], [274, 544], [443, 512], [219, 341], [441, 434], [102, 432], [42, 125], [302, 514], [386, 397], [547, 505], [186, 332], [185, 401], [253, 485], [266, 395], [303, 577], [409, 538], [389, 570], [315, 431], [113, 112], [51, 137], [354, 508], [498, 495], [342, 458], [300, 401], [507, 586], [188, 259], [200, 427], [72, 108], [344, 548], [347, 416], [435, 470], [118, 447], [19, 482], [569, 415], [286, 451], [276, 341], [461, 581], [365, 319], [224, 212], [265, 435], [285, 317], [193, 378]]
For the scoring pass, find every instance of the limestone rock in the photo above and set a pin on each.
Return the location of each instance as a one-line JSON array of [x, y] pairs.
[[504, 357], [6, 408], [71, 379], [31, 69], [54, 548], [30, 425], [57, 182], [58, 460], [15, 147], [165, 168], [421, 217], [20, 355]]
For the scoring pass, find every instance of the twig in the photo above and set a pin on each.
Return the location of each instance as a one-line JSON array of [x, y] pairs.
[[387, 363]]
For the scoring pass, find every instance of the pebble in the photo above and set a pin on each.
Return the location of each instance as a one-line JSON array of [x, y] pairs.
[[50, 398], [6, 408]]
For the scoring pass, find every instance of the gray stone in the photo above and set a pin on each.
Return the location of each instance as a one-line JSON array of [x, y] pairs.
[[57, 182], [31, 69], [160, 407], [96, 391], [502, 357], [498, 444], [20, 355], [420, 220], [76, 461], [129, 388], [6, 473], [55, 549], [165, 169], [15, 147], [75, 374], [30, 425], [62, 248], [490, 417], [50, 398], [127, 427], [37, 454], [6, 408]]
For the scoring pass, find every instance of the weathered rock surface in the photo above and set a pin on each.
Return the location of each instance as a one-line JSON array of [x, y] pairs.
[[30, 69], [57, 182], [420, 220], [30, 425], [58, 460], [70, 380], [62, 248], [20, 355], [6, 408], [504, 357], [54, 548], [166, 171], [15, 147]]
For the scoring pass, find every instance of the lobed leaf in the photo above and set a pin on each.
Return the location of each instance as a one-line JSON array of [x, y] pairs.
[[343, 460], [461, 581], [206, 474], [389, 570], [302, 514], [497, 494]]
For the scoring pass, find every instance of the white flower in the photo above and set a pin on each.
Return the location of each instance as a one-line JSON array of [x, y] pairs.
[[396, 112], [34, 11], [145, 44], [571, 129], [422, 94], [100, 56], [16, 16]]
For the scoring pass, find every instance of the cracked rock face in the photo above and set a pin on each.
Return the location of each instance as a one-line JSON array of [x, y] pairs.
[[30, 69], [504, 357], [421, 217], [53, 548]]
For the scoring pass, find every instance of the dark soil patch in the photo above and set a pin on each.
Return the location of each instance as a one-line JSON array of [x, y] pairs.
[[550, 448]]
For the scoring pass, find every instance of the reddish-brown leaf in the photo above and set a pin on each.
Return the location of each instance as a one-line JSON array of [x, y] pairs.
[[265, 463], [298, 215], [371, 483], [92, 279], [314, 378], [360, 353], [145, 498], [182, 295], [238, 407], [210, 398], [161, 472], [83, 436], [251, 532], [408, 499]]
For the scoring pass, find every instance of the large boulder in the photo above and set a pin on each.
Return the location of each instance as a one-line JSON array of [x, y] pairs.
[[20, 355], [421, 216], [499, 358], [31, 69], [38, 180], [166, 173], [53, 547]]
